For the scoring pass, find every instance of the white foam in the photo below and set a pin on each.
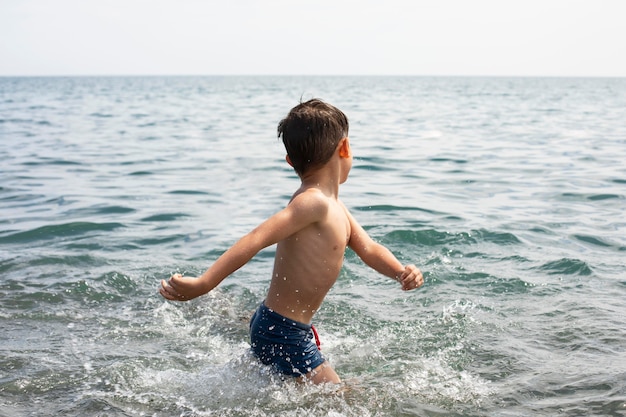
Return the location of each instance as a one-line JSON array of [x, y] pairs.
[[434, 380]]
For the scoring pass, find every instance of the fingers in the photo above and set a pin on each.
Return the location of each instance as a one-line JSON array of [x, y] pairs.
[[170, 289], [411, 278], [167, 291]]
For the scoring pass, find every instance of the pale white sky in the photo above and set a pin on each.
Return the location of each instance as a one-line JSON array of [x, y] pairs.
[[326, 37]]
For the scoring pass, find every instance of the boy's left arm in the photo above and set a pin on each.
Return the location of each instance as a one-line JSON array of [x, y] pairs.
[[381, 259]]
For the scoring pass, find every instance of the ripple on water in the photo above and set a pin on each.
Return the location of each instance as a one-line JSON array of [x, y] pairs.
[[50, 232], [566, 266], [590, 196], [432, 237], [599, 242], [164, 217]]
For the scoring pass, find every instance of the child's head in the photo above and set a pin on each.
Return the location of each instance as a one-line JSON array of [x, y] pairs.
[[311, 132]]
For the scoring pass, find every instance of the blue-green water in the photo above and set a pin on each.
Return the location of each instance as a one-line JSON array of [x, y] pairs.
[[510, 194]]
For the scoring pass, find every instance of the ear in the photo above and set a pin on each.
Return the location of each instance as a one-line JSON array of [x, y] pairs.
[[344, 148], [288, 160]]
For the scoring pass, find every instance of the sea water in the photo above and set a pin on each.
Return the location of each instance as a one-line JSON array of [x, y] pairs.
[[508, 193]]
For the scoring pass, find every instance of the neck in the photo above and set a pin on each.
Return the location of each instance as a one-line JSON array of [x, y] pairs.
[[326, 179]]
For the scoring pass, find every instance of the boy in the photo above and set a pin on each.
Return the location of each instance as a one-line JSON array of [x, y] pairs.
[[312, 233]]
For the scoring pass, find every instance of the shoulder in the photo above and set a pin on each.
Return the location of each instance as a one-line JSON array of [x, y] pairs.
[[310, 198], [310, 202]]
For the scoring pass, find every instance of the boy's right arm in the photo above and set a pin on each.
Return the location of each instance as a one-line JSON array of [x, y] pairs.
[[306, 208]]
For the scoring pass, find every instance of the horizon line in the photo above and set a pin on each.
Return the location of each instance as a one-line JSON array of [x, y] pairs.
[[309, 75]]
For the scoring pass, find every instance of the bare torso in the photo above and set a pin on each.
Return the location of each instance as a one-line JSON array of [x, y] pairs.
[[308, 263]]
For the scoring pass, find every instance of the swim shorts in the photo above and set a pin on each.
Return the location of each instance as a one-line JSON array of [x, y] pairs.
[[289, 346]]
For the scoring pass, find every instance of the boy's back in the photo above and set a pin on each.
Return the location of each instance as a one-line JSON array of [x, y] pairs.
[[308, 262]]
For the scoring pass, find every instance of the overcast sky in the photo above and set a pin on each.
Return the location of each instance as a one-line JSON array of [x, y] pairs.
[[382, 37]]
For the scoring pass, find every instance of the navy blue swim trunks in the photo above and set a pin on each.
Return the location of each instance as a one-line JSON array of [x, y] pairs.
[[289, 346]]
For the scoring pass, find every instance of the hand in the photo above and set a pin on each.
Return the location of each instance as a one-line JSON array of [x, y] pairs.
[[411, 278], [180, 288]]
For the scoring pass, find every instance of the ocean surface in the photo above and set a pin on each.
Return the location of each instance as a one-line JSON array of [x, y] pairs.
[[508, 193]]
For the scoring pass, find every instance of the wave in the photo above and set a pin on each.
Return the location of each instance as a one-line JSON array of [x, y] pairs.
[[566, 266], [191, 192], [164, 217], [82, 260], [432, 237], [596, 241], [30, 299], [96, 210], [591, 196], [101, 115], [390, 208], [50, 232], [51, 161]]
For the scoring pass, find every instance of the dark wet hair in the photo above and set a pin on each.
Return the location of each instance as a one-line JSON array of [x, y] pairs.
[[311, 132]]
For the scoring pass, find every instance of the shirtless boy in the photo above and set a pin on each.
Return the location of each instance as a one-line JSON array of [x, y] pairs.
[[312, 233]]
